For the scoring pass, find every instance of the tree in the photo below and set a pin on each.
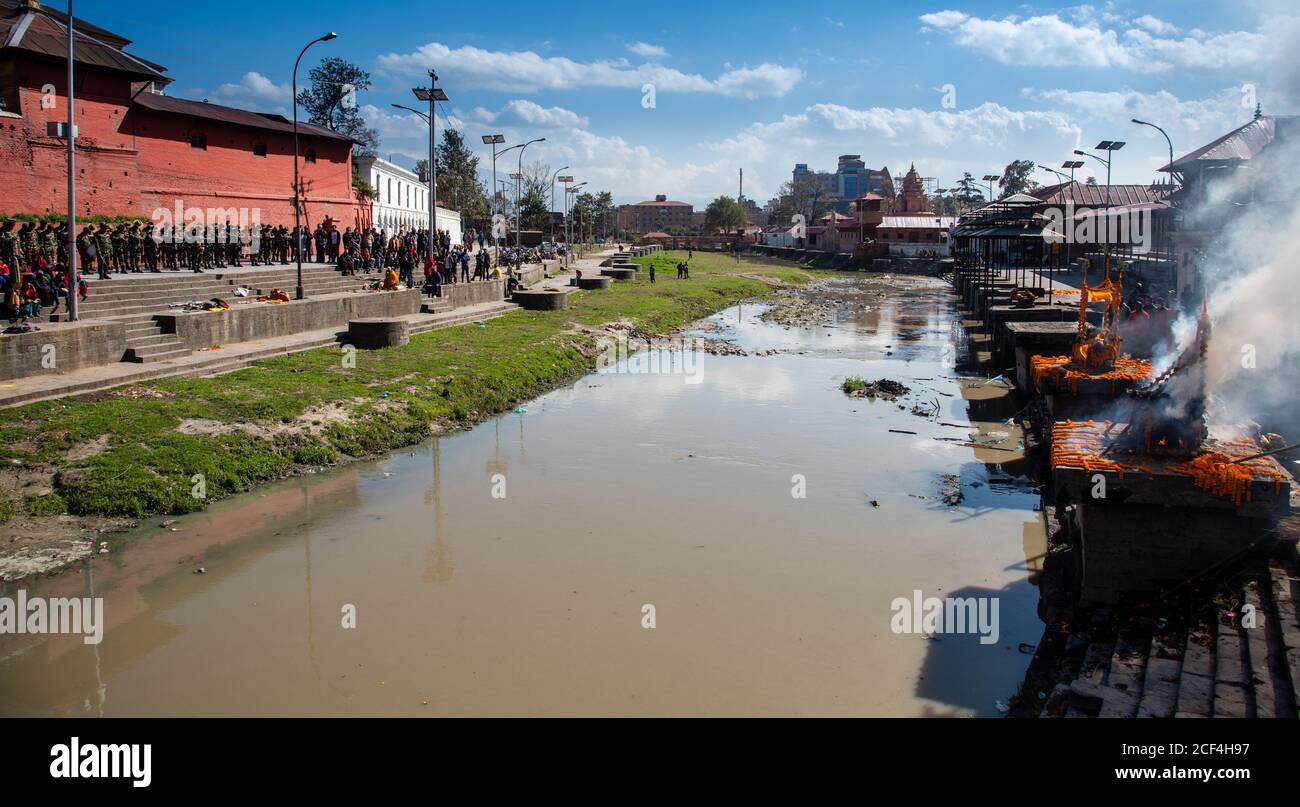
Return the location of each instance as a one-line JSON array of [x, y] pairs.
[[1017, 177], [458, 180], [330, 101], [968, 191], [583, 214], [725, 214], [806, 195], [779, 210]]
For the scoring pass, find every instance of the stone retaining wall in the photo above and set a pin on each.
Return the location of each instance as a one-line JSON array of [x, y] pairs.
[[64, 345], [473, 293], [243, 323]]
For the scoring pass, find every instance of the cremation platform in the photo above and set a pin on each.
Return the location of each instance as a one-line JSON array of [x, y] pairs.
[[1256, 488]]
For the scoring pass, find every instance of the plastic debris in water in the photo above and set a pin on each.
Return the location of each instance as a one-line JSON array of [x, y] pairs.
[[519, 410]]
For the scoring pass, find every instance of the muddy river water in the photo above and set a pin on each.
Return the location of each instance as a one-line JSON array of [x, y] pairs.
[[505, 570]]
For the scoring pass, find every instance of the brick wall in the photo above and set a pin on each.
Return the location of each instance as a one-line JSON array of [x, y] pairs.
[[131, 160]]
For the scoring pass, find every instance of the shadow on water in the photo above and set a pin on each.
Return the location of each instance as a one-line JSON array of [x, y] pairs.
[[957, 671]]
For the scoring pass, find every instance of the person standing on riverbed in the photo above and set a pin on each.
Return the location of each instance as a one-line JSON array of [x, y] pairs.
[[652, 271]]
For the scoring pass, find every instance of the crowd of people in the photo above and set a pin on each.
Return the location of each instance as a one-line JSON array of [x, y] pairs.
[[34, 271]]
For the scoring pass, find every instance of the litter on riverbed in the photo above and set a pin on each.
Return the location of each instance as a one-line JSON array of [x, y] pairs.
[[519, 410]]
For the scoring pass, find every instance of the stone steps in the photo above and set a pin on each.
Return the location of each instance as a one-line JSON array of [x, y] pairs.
[[1217, 666], [138, 294]]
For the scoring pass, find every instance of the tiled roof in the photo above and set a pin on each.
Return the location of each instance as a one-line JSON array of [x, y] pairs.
[[1095, 195], [917, 222], [231, 115], [1241, 143], [45, 34]]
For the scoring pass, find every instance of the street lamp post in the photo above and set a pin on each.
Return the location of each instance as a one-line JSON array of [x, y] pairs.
[[518, 182], [432, 94], [72, 185], [553, 176], [494, 140], [1072, 164], [568, 246], [991, 178], [429, 122], [1110, 147], [297, 183], [564, 208]]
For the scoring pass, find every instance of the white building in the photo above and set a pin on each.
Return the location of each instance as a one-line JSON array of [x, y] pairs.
[[401, 200]]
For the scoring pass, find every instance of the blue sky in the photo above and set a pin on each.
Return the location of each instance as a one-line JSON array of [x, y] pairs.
[[758, 85]]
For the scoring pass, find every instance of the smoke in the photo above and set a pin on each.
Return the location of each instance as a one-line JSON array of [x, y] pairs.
[[1251, 275]]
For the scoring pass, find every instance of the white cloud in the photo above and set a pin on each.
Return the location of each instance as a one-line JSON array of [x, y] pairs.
[[1189, 123], [254, 91], [647, 50], [524, 112], [1156, 25], [1150, 46], [526, 71]]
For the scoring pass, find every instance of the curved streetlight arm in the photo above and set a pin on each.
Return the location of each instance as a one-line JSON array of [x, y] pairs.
[[300, 293], [1167, 140], [423, 115]]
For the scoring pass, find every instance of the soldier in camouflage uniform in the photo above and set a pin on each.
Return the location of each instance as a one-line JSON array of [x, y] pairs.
[[149, 247], [61, 245], [234, 245], [137, 232], [104, 243], [8, 243], [118, 246], [26, 244]]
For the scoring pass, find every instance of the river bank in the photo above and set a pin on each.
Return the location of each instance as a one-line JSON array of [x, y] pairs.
[[77, 472], [770, 522]]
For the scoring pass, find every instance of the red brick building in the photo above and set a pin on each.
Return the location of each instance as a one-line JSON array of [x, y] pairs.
[[660, 213], [137, 149]]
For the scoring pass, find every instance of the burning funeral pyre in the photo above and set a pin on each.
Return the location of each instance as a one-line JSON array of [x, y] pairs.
[[1166, 435], [1098, 359]]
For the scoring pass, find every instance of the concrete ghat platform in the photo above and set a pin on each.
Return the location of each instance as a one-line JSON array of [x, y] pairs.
[[594, 282], [542, 299], [378, 332], [1025, 340], [619, 274]]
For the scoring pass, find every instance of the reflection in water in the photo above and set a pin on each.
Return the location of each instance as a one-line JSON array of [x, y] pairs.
[[625, 489], [439, 569]]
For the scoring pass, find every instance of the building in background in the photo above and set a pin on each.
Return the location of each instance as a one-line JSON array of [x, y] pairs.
[[139, 150], [660, 214], [826, 181], [852, 179], [1227, 178], [401, 200], [754, 213]]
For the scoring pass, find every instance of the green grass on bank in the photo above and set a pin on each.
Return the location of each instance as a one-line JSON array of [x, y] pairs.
[[120, 453]]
